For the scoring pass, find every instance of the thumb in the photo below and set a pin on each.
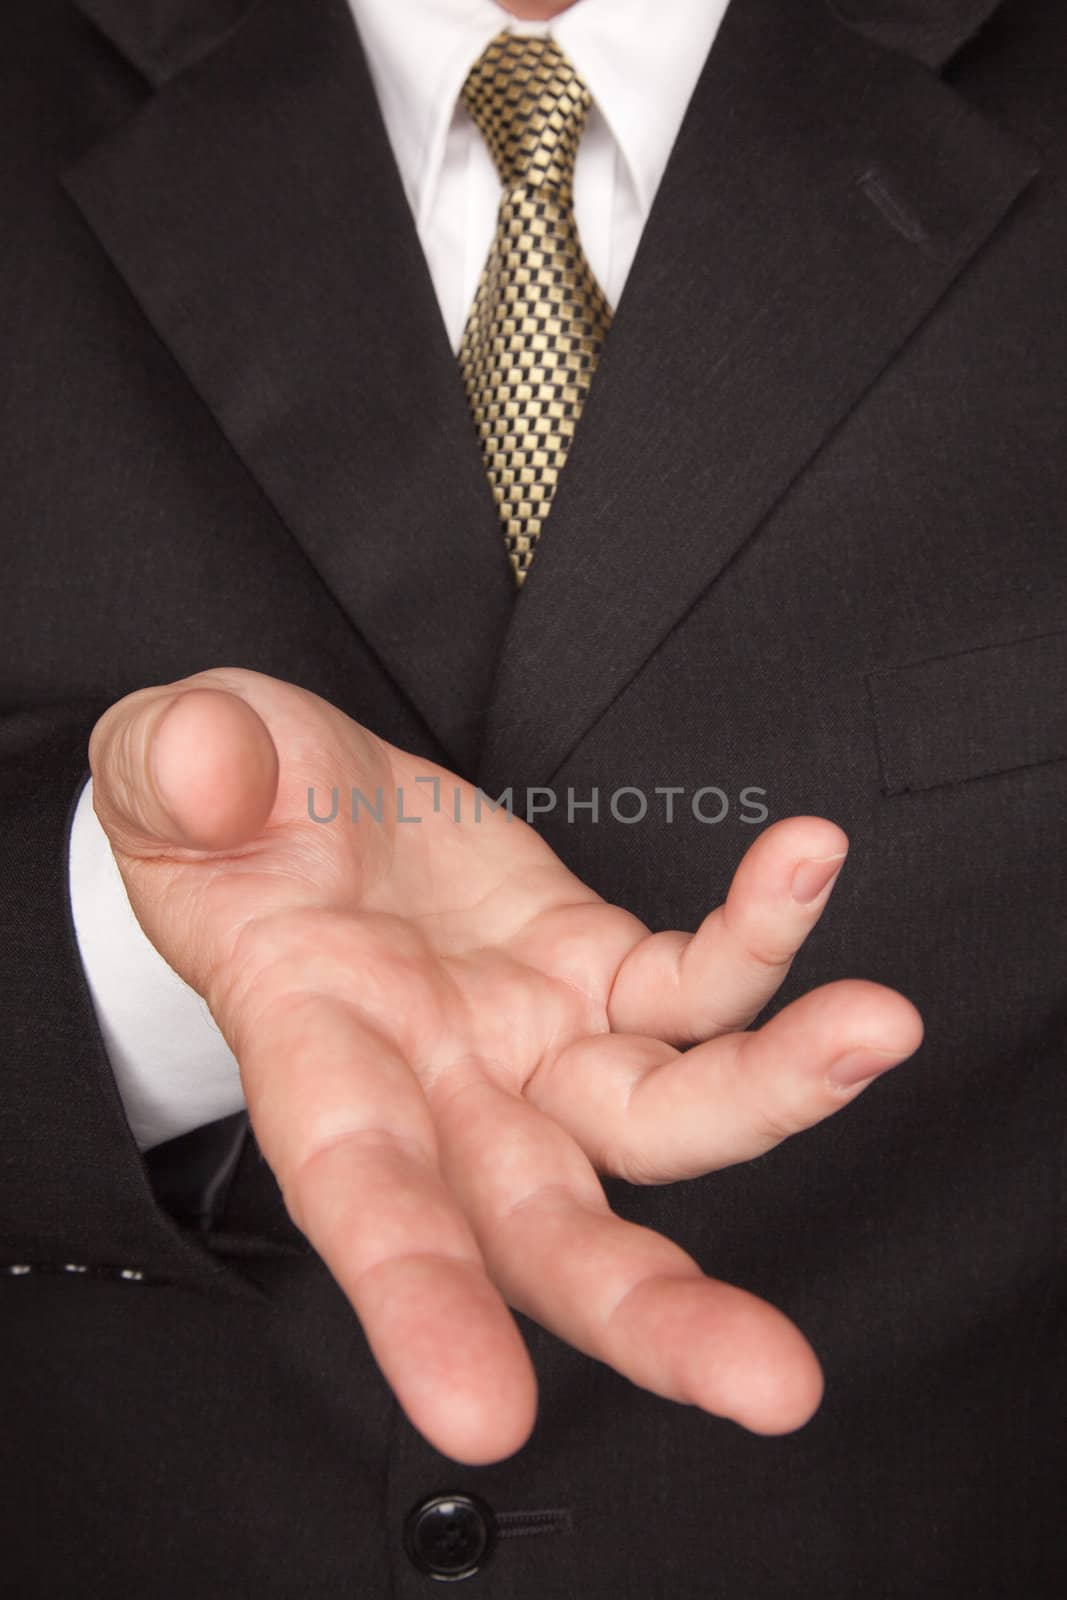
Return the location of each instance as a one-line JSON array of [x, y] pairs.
[[183, 765]]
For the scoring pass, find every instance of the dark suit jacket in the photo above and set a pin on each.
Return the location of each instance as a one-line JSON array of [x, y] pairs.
[[810, 539]]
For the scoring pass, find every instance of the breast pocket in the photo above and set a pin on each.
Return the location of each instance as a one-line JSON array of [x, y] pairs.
[[972, 713]]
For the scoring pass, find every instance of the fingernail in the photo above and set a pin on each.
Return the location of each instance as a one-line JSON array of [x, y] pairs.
[[859, 1066], [811, 877]]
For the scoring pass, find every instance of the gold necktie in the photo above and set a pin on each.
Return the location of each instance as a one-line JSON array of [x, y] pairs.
[[539, 317]]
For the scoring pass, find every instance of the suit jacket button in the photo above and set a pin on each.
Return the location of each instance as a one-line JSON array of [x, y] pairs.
[[450, 1535]]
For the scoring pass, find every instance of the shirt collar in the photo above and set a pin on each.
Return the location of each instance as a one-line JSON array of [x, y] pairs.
[[639, 58]]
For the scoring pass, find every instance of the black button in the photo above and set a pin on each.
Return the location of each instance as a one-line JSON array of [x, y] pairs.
[[450, 1535]]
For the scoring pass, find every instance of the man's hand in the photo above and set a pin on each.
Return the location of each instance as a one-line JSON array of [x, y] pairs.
[[444, 1037]]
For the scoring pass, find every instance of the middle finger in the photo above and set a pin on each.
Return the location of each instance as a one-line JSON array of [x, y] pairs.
[[618, 1291]]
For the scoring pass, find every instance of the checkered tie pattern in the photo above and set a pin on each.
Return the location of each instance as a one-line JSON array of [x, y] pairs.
[[534, 333]]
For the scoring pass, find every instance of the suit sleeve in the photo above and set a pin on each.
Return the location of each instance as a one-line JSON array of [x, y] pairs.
[[73, 1183]]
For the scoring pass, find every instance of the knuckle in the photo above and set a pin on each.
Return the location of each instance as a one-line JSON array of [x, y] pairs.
[[775, 1121]]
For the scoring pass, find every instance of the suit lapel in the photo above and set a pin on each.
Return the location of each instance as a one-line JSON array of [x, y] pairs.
[[931, 31], [253, 206], [823, 194]]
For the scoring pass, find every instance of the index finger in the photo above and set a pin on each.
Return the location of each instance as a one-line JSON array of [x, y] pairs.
[[345, 1126]]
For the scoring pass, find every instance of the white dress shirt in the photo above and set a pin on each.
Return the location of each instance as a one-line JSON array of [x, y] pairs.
[[640, 60]]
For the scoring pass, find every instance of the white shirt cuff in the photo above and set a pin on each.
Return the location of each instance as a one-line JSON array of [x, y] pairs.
[[173, 1068]]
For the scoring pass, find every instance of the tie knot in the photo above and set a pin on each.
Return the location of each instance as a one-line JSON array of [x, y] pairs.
[[530, 106]]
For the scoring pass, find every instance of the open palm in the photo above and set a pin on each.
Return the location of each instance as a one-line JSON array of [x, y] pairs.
[[444, 1037]]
